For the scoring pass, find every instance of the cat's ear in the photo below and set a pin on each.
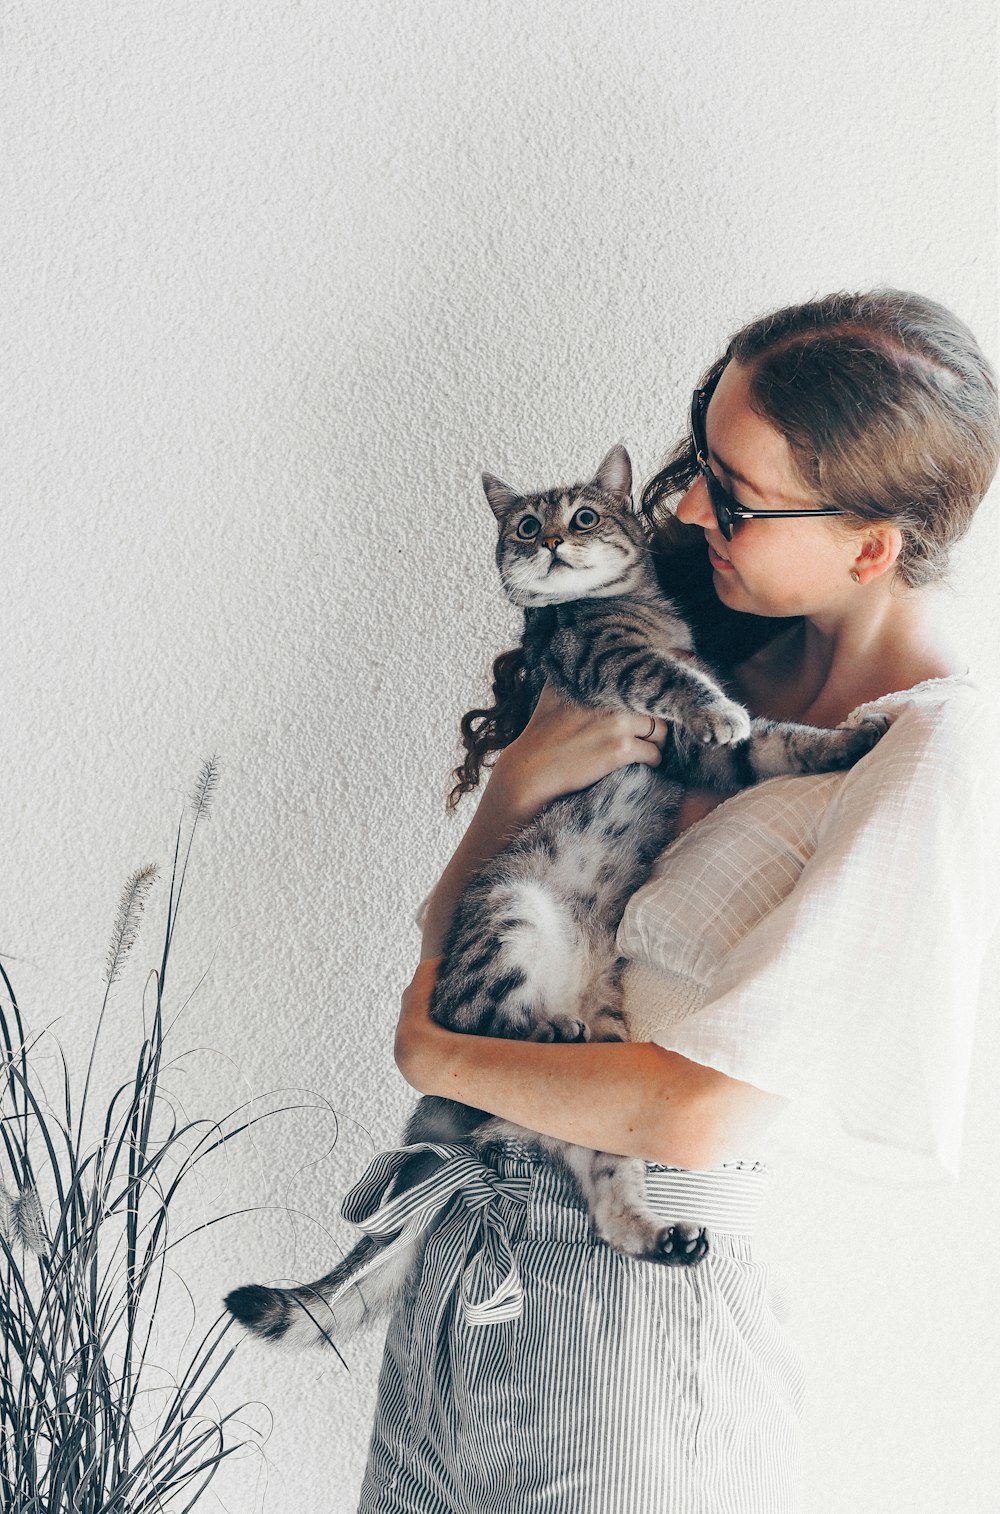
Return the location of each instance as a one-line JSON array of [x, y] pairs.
[[614, 476], [500, 495]]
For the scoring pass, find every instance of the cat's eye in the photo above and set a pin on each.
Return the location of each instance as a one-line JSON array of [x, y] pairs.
[[585, 519], [528, 527]]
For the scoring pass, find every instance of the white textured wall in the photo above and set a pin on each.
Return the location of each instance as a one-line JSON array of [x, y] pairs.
[[279, 281]]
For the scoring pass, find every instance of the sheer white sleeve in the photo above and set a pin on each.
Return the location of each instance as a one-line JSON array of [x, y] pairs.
[[842, 970]]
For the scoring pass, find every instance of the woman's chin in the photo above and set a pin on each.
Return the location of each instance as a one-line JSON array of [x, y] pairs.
[[728, 589], [735, 596]]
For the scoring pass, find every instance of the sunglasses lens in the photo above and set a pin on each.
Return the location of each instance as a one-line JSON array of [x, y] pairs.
[[716, 493], [721, 506]]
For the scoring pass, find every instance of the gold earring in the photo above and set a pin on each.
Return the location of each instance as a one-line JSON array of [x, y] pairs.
[[856, 575]]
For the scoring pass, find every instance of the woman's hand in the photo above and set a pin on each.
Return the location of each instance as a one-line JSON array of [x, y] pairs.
[[565, 747], [417, 1035]]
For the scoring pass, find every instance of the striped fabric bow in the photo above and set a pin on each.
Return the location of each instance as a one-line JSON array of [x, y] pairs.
[[471, 1256]]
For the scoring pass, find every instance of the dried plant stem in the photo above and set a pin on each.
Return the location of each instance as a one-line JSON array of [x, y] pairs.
[[83, 1245]]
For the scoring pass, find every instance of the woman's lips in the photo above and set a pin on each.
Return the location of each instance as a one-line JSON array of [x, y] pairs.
[[722, 563]]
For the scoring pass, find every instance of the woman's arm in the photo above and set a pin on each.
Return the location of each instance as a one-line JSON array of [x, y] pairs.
[[632, 1098]]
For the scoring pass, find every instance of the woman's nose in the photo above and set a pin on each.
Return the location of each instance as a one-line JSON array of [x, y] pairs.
[[695, 507]]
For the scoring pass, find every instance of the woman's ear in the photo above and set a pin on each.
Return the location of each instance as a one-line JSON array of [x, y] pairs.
[[879, 548]]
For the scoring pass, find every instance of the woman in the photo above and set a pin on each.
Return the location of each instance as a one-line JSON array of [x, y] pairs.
[[810, 950]]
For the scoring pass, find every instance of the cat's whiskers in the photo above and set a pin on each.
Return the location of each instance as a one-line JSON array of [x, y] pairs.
[[591, 569]]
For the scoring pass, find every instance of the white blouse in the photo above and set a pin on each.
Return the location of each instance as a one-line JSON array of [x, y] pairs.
[[823, 937]]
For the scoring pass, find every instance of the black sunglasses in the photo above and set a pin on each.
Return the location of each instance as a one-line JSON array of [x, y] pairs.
[[727, 509]]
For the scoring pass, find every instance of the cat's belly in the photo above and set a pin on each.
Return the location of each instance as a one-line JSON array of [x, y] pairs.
[[533, 945]]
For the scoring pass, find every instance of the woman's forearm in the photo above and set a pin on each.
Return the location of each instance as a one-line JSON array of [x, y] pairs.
[[631, 1098], [635, 1099]]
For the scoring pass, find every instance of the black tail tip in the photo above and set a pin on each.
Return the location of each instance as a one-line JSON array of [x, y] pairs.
[[262, 1310]]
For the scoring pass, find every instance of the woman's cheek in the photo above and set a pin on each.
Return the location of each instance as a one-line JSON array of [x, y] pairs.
[[735, 591], [777, 584]]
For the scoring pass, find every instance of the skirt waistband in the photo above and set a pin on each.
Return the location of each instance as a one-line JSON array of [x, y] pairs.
[[724, 1199], [476, 1206]]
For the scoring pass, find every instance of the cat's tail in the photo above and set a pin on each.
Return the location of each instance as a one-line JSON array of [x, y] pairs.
[[365, 1283], [330, 1310]]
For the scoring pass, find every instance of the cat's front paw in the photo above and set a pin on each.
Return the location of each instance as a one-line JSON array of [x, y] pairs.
[[852, 742], [681, 1245], [561, 1028], [872, 729], [718, 724]]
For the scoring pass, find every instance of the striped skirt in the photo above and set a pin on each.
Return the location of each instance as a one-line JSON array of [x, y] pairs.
[[534, 1370]]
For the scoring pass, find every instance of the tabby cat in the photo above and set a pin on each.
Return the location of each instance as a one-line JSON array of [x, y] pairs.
[[531, 950]]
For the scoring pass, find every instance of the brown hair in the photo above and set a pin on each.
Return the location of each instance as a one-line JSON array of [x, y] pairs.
[[889, 408]]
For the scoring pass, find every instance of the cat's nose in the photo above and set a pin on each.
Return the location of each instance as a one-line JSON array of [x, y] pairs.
[[552, 542]]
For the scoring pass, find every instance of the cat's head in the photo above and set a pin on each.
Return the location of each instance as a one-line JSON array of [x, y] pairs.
[[584, 541]]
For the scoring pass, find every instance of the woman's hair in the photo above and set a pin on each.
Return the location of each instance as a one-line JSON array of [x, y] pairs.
[[491, 729], [889, 409]]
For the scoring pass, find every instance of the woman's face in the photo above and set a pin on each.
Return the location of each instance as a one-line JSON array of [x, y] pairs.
[[771, 567]]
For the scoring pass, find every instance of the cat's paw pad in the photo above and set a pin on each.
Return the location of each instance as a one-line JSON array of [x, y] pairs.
[[719, 724], [681, 1245], [561, 1028]]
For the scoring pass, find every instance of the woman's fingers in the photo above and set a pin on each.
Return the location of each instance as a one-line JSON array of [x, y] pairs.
[[627, 725], [641, 736], [623, 744], [646, 729], [567, 746]]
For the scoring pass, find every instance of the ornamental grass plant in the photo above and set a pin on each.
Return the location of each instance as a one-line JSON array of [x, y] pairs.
[[84, 1238]]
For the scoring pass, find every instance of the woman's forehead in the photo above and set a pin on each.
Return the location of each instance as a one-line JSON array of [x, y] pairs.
[[746, 446]]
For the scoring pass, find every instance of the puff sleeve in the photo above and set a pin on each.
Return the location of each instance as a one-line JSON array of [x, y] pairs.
[[852, 989]]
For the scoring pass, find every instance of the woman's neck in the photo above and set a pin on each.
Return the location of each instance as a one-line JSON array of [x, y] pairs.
[[820, 670]]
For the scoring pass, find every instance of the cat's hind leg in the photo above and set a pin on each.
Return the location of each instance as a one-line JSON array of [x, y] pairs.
[[560, 967], [533, 973], [614, 1190]]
